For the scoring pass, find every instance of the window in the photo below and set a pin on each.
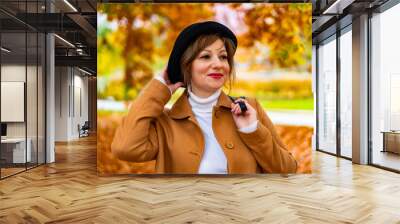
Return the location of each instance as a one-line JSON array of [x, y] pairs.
[[385, 88], [327, 96], [23, 77], [346, 92]]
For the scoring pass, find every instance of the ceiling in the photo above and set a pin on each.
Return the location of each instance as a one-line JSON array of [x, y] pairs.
[[74, 22], [332, 15]]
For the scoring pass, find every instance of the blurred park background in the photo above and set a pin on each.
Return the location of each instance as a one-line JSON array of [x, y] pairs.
[[273, 64]]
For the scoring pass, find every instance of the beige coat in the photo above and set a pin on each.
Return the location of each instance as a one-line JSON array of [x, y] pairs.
[[174, 139]]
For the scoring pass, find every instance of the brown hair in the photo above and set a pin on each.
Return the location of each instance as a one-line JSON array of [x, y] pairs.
[[200, 44]]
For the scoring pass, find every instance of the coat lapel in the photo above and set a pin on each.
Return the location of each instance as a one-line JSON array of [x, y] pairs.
[[181, 108], [224, 101]]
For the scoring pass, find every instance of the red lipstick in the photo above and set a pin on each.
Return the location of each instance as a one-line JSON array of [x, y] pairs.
[[215, 75]]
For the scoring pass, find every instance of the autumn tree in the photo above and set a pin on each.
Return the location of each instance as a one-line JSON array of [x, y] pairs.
[[284, 28], [145, 30]]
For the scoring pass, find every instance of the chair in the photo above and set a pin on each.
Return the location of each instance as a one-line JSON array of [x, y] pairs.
[[84, 130]]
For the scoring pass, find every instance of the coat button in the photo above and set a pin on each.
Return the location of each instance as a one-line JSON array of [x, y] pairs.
[[229, 145]]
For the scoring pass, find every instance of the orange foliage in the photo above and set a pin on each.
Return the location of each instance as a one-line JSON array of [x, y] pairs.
[[107, 163], [298, 141], [284, 28]]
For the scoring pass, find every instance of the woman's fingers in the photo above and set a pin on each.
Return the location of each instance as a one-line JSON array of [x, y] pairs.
[[233, 106], [243, 105], [177, 85], [236, 109], [239, 110], [174, 87]]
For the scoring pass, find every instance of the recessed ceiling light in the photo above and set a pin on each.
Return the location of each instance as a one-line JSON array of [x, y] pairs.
[[5, 49], [70, 5], [86, 72], [337, 7], [64, 40]]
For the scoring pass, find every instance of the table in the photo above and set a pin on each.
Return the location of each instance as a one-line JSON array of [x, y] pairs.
[[391, 141], [16, 148]]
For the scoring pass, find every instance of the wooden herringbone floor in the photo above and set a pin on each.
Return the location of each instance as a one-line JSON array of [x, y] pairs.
[[70, 191]]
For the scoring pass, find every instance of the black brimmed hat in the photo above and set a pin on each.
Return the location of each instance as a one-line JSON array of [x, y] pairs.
[[187, 37]]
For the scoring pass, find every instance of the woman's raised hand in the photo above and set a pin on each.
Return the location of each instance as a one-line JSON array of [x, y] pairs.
[[172, 87], [245, 119]]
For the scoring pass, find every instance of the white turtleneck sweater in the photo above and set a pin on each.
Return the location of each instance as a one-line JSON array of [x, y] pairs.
[[214, 159]]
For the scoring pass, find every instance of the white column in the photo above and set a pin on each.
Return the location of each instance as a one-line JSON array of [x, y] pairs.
[[360, 90], [50, 94]]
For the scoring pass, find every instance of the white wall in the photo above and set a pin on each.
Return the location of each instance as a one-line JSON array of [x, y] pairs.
[[71, 102], [81, 101], [62, 81]]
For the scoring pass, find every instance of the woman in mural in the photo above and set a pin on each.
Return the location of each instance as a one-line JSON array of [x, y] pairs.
[[205, 131]]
